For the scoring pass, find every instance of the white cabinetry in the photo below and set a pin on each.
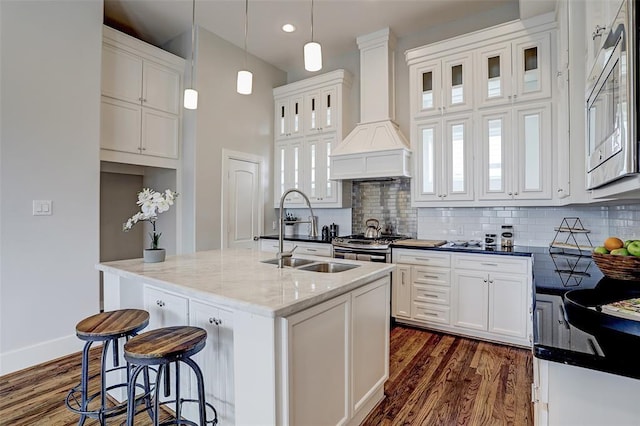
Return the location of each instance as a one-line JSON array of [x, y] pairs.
[[492, 295], [337, 353], [141, 93], [421, 286], [501, 79], [514, 71], [307, 247], [477, 295], [165, 309], [216, 359], [310, 121], [516, 152], [445, 160], [568, 395], [444, 86], [289, 117]]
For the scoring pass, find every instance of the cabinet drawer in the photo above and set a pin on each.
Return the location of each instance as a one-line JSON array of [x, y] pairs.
[[315, 249], [431, 294], [430, 313], [422, 257], [431, 276], [272, 245], [491, 263]]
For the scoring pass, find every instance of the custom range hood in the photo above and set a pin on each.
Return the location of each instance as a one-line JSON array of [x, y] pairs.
[[375, 149]]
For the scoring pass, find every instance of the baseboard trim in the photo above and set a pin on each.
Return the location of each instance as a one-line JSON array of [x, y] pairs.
[[36, 354]]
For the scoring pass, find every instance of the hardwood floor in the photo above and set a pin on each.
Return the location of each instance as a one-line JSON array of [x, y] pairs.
[[434, 379], [438, 379]]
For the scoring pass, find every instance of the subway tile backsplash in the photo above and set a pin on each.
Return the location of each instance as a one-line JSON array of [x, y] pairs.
[[533, 226]]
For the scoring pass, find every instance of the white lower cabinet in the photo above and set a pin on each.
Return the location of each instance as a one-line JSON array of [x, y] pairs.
[[491, 294], [216, 359], [315, 249], [337, 355], [568, 395], [421, 286], [478, 295], [167, 309]]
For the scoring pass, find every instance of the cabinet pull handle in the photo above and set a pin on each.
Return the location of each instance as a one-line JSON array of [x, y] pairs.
[[489, 264], [433, 277], [311, 249], [424, 259], [597, 32], [431, 295], [431, 314]]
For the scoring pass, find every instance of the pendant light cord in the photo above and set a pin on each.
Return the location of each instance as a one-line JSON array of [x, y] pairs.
[[311, 20], [246, 29], [193, 37]]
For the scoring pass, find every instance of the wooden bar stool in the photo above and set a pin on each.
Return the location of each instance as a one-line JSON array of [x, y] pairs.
[[108, 328], [161, 348]]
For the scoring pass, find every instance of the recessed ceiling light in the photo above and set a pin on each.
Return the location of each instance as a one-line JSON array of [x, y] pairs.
[[288, 28]]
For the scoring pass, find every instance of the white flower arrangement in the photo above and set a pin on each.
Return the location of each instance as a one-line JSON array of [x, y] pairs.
[[151, 203]]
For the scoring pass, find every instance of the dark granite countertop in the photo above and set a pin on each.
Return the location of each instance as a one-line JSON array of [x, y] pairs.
[[298, 237], [482, 249]]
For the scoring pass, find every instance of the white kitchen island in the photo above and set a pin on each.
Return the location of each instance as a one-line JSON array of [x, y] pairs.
[[285, 346]]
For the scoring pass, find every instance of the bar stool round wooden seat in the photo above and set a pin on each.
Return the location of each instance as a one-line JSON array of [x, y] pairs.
[[108, 328], [161, 348]]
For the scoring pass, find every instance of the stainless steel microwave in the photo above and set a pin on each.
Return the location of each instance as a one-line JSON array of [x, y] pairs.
[[612, 104]]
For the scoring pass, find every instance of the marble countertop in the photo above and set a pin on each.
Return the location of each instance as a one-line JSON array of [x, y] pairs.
[[236, 278]]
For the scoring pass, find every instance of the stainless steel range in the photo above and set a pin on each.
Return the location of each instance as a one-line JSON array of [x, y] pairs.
[[357, 247]]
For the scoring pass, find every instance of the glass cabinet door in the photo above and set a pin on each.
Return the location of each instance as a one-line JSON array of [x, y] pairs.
[[320, 189], [496, 155], [289, 117], [532, 67], [428, 82], [288, 171], [321, 112], [429, 169], [458, 169], [458, 85], [533, 152], [495, 71]]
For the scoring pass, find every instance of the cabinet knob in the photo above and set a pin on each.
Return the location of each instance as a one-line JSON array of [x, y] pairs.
[[215, 321], [160, 303], [485, 281]]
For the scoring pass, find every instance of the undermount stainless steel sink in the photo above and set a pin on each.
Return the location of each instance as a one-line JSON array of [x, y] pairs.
[[327, 267], [290, 261], [312, 265]]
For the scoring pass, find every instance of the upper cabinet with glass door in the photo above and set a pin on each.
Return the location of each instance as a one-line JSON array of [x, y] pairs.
[[320, 107], [515, 71], [445, 86], [289, 117]]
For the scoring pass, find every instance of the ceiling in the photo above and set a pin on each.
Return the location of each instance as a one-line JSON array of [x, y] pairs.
[[337, 23]]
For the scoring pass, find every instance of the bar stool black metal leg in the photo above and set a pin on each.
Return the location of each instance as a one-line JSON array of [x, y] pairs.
[[201, 400], [84, 380]]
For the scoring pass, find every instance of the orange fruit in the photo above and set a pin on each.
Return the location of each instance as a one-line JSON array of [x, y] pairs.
[[613, 243]]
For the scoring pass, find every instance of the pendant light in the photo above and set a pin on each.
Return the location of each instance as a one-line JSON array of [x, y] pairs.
[[312, 51], [191, 95], [244, 83]]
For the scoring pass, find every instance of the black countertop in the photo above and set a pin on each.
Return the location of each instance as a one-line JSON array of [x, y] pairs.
[[298, 237]]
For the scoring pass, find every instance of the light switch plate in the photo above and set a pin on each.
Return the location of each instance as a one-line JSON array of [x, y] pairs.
[[42, 208]]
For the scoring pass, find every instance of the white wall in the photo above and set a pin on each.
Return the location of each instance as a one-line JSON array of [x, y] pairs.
[[50, 111], [224, 119]]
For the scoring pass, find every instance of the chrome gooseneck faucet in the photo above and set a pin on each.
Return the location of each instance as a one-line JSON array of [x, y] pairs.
[[314, 226]]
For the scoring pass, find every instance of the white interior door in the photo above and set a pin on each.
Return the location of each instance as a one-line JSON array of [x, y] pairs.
[[242, 206]]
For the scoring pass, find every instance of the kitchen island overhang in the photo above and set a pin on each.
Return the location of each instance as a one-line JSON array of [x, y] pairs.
[[280, 374]]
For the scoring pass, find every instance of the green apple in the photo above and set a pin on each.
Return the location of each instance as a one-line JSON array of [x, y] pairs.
[[601, 250], [620, 252], [626, 243], [634, 248]]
